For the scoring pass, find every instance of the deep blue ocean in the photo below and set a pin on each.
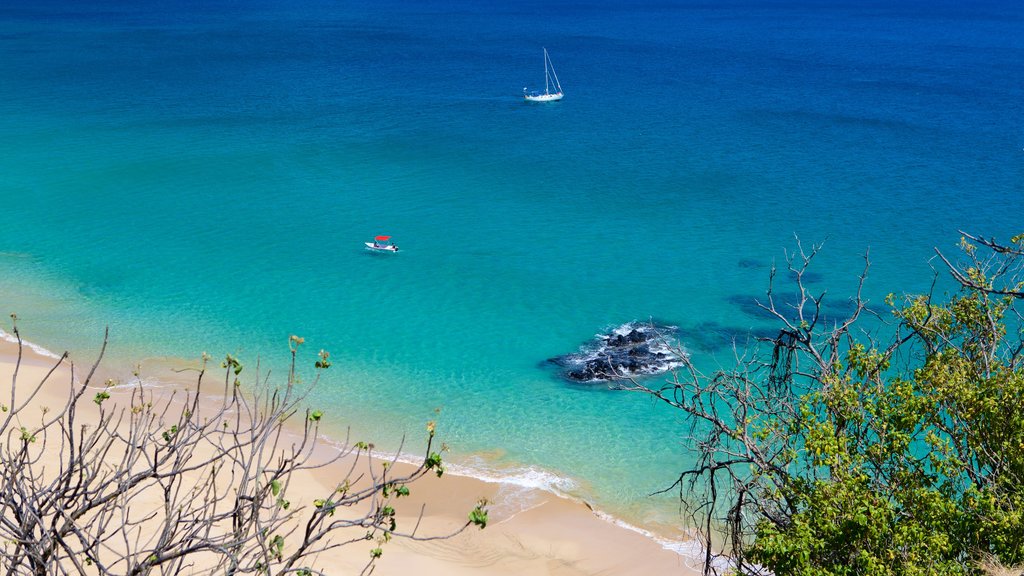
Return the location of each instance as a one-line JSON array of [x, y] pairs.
[[201, 176]]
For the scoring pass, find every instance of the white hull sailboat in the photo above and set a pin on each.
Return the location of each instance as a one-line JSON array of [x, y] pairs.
[[550, 83]]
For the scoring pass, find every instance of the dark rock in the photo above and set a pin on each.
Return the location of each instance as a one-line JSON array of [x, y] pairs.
[[642, 350], [627, 351]]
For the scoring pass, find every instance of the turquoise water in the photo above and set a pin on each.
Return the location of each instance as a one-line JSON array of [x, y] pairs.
[[200, 176]]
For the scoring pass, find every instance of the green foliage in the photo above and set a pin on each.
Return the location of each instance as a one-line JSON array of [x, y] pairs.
[[396, 490], [908, 469], [170, 433], [325, 506], [386, 515], [275, 490], [433, 462], [343, 488], [233, 364], [323, 362], [276, 546], [316, 415], [100, 397], [478, 515]]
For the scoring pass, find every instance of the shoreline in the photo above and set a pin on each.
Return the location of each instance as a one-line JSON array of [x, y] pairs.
[[532, 530]]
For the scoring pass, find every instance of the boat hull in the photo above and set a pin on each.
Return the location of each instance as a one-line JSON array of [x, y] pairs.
[[375, 248], [543, 97]]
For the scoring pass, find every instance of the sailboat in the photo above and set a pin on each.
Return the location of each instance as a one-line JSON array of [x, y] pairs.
[[550, 83]]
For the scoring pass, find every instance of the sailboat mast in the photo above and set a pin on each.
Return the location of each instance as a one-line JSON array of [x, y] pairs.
[[546, 71]]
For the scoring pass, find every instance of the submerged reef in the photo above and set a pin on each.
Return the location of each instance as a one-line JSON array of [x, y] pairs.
[[712, 337], [832, 309]]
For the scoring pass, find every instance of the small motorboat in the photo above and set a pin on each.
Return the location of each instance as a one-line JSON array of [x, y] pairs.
[[382, 244]]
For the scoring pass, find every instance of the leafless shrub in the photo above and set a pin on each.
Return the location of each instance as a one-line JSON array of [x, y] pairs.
[[192, 483]]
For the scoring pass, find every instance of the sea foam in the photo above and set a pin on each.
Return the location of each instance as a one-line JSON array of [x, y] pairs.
[[39, 350], [521, 489]]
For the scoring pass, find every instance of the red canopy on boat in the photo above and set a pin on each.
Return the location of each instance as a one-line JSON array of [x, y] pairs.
[[383, 238]]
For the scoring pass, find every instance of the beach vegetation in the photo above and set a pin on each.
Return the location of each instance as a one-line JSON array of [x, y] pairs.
[[202, 481], [478, 515], [888, 443], [434, 462]]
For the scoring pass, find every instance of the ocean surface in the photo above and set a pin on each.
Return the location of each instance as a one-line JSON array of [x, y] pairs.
[[201, 176]]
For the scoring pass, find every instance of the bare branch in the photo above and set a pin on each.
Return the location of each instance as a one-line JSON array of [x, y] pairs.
[[218, 471]]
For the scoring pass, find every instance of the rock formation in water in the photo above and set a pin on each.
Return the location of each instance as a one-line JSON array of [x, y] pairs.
[[628, 351]]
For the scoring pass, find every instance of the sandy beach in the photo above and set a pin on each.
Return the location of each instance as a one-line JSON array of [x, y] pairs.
[[553, 536]]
